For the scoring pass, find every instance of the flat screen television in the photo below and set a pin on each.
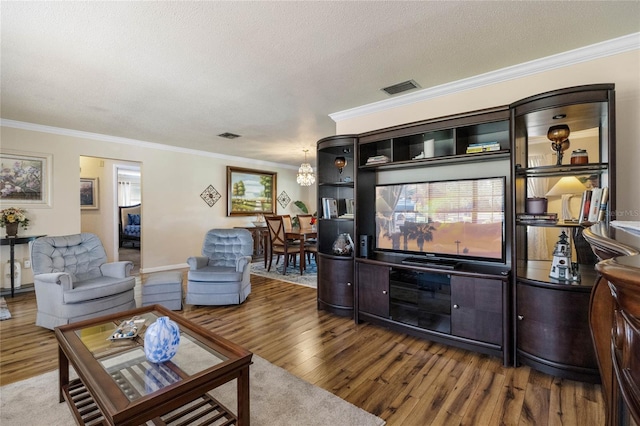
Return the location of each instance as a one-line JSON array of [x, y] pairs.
[[454, 219]]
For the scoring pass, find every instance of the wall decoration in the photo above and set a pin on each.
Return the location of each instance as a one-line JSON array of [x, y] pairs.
[[210, 195], [250, 192], [89, 193], [25, 178], [284, 199]]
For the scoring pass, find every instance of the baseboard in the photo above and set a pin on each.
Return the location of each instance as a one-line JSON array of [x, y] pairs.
[[164, 268]]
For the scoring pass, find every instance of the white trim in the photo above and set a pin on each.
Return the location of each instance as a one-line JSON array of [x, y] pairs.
[[583, 54], [134, 142]]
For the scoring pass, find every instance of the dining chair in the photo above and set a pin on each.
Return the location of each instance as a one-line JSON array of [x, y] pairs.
[[288, 225], [279, 244], [310, 244]]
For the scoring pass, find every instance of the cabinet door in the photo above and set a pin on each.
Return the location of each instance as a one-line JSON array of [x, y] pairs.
[[335, 276], [477, 309], [373, 289], [553, 325]]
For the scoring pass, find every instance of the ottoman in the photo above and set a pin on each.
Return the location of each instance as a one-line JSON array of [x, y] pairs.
[[163, 288]]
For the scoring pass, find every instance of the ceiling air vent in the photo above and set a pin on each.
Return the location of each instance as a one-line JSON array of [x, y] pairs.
[[401, 87], [228, 135]]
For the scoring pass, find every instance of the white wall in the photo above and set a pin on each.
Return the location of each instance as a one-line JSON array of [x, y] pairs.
[[175, 217], [622, 69]]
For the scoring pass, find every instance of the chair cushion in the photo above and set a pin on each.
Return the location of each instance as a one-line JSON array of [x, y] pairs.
[[215, 274], [224, 246], [80, 255], [134, 219], [96, 288]]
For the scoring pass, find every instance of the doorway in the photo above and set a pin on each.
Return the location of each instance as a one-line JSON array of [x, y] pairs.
[[101, 217], [129, 202]]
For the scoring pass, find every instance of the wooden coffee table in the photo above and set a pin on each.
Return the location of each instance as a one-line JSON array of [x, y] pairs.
[[118, 386]]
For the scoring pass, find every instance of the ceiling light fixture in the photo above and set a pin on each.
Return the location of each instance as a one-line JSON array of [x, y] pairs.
[[305, 173]]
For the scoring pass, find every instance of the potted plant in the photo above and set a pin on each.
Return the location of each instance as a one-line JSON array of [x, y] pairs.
[[11, 218], [303, 207]]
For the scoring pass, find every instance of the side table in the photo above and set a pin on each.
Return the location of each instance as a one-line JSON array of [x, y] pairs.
[[12, 242]]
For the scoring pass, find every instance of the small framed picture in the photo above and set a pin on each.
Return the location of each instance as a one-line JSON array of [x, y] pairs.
[[89, 193]]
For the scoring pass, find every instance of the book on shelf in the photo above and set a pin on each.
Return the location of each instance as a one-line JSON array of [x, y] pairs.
[[377, 159], [350, 204], [604, 200], [346, 216], [541, 216], [585, 206], [594, 205], [329, 208], [537, 219], [483, 147], [594, 208]]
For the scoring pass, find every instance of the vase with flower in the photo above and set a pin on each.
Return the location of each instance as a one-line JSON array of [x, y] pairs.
[[12, 218]]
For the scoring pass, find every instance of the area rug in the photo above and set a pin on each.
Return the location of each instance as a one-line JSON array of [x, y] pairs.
[[309, 278], [4, 310], [277, 398]]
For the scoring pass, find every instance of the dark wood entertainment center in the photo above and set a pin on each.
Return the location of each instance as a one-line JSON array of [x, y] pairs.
[[511, 308]]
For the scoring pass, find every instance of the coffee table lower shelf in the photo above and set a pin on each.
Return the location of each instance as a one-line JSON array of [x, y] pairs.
[[205, 410]]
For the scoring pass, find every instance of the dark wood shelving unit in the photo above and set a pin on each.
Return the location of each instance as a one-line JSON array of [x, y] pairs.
[[551, 316], [512, 310]]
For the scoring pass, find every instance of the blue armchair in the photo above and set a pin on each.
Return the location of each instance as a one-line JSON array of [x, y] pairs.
[[74, 281], [221, 276]]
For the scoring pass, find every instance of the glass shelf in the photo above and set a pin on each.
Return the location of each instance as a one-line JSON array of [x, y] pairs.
[[546, 171]]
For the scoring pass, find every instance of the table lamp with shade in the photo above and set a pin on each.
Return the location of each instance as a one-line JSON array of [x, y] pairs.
[[567, 187]]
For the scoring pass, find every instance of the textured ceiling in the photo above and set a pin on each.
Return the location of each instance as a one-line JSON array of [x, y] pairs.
[[180, 73]]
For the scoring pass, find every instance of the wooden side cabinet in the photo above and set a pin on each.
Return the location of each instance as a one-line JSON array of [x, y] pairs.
[[335, 284], [477, 309], [552, 331], [373, 289]]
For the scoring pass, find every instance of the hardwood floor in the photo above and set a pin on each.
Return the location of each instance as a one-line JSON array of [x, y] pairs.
[[404, 380]]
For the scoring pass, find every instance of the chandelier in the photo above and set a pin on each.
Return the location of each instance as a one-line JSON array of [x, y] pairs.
[[305, 173]]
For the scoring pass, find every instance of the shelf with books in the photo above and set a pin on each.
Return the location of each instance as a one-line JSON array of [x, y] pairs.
[[457, 138], [551, 309], [336, 198]]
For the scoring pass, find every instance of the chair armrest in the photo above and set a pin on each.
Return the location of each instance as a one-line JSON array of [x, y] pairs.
[[242, 262], [60, 278], [120, 269], [197, 262]]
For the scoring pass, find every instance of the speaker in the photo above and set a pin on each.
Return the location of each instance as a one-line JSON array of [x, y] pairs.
[[364, 245]]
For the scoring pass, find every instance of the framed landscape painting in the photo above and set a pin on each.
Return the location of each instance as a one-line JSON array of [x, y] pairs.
[[250, 192], [89, 193], [25, 179]]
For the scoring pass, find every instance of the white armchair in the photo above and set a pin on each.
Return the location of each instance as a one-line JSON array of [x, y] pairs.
[[221, 276], [74, 282]]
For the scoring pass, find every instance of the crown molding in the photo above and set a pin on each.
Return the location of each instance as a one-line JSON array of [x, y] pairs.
[[134, 142], [560, 60]]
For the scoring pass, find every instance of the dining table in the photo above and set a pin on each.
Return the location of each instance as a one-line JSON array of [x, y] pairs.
[[302, 235]]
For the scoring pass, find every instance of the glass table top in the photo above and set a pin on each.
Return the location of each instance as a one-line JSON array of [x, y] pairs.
[[124, 359]]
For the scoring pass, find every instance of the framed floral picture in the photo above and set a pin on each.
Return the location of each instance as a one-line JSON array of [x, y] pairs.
[[89, 193], [25, 178], [250, 192]]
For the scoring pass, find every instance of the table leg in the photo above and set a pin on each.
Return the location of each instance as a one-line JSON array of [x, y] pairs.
[[12, 258], [302, 260], [244, 415], [63, 373], [267, 248]]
